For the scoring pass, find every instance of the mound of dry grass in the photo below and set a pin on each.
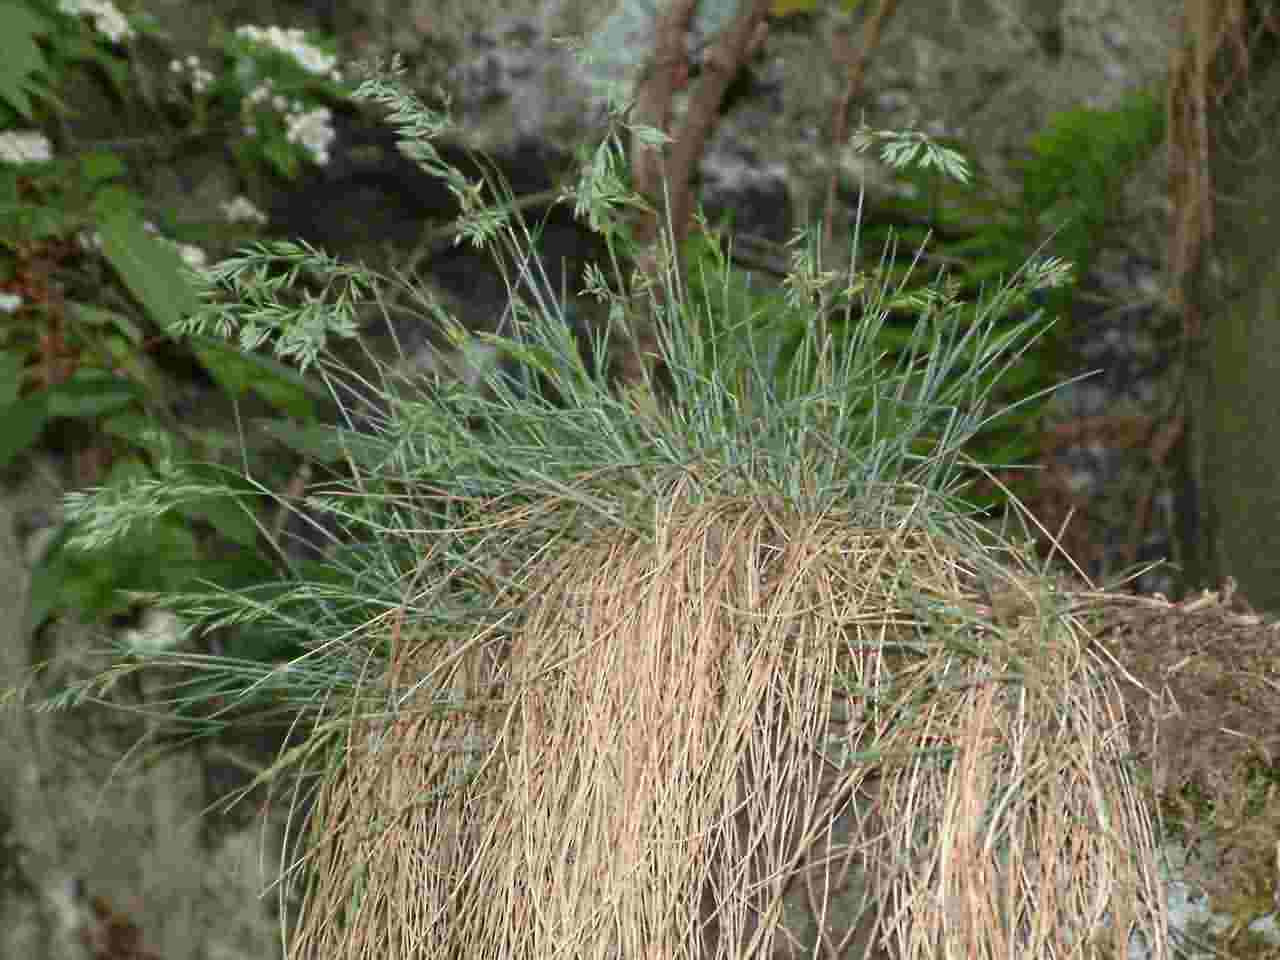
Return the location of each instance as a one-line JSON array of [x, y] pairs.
[[671, 742]]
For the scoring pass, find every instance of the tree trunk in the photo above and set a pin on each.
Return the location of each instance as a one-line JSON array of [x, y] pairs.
[[1234, 385]]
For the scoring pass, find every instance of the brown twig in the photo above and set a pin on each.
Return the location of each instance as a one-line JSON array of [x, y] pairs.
[[741, 41], [872, 28], [664, 177], [668, 69]]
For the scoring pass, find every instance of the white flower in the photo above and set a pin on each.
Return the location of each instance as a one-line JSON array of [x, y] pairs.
[[9, 302], [242, 210], [200, 78], [24, 146], [107, 20], [313, 131], [315, 61], [193, 257], [292, 43]]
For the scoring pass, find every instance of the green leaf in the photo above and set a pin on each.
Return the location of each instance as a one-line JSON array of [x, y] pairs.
[[238, 372], [23, 420], [91, 393], [161, 557], [151, 269], [10, 377], [226, 515], [114, 200], [283, 156], [47, 582], [136, 429], [99, 317], [33, 221], [326, 444], [231, 513], [20, 56], [95, 167], [788, 8]]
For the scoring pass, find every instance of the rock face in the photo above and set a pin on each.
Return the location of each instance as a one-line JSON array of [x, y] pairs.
[[989, 73], [107, 850]]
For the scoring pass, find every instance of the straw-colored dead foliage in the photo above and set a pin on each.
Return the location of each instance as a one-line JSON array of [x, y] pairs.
[[753, 734]]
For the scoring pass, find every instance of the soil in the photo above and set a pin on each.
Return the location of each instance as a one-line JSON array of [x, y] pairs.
[[1201, 680]]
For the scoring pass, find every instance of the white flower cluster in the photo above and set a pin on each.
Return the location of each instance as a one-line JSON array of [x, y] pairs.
[[313, 131], [259, 95], [242, 210], [265, 93], [24, 146], [199, 78], [310, 129], [107, 20], [10, 302], [293, 43]]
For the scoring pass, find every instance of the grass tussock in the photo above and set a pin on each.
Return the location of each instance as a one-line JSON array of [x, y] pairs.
[[718, 664], [676, 738], [1038, 843]]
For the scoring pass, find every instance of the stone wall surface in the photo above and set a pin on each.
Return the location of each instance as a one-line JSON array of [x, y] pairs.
[[989, 72], [108, 850]]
